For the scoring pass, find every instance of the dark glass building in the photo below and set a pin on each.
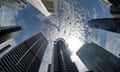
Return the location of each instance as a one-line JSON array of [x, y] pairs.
[[97, 59], [115, 3], [109, 24], [26, 57], [114, 7], [5, 48], [115, 11], [61, 61], [8, 32]]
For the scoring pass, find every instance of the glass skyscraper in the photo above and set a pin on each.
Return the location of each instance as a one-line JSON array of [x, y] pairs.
[[25, 57], [108, 24], [61, 61], [97, 59]]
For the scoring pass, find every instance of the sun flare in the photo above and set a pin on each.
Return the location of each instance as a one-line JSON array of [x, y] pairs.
[[74, 44]]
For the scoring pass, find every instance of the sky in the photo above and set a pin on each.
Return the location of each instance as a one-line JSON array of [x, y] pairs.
[[70, 23]]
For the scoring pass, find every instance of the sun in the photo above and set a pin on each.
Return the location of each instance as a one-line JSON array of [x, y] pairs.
[[74, 44]]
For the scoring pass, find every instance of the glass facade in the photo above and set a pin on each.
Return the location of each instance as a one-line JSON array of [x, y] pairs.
[[108, 24], [97, 59], [61, 61], [26, 57]]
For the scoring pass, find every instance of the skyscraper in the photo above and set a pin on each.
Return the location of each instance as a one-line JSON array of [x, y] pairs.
[[109, 24], [17, 4], [97, 59], [51, 5], [115, 3], [115, 11], [46, 7], [114, 7], [61, 61], [8, 32], [26, 57]]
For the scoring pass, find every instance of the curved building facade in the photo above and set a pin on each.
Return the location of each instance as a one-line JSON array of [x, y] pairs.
[[61, 61]]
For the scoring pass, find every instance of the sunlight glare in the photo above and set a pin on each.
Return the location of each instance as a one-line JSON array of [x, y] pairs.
[[74, 44]]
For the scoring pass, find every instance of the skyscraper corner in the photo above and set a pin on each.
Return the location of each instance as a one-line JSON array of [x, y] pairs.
[[26, 57], [46, 7]]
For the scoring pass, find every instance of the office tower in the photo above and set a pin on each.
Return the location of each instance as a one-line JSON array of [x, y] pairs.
[[115, 3], [51, 5], [114, 7], [109, 24], [46, 7], [16, 4], [10, 41], [115, 11], [8, 32], [3, 48], [98, 59], [26, 57], [61, 61]]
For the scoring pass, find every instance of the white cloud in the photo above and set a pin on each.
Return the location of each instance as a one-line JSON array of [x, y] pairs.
[[95, 13], [42, 17], [7, 16]]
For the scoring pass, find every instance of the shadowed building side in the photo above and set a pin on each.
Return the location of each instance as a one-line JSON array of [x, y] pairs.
[[51, 5], [16, 4], [97, 59], [114, 7], [115, 3], [61, 61], [26, 57], [109, 24], [9, 32]]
